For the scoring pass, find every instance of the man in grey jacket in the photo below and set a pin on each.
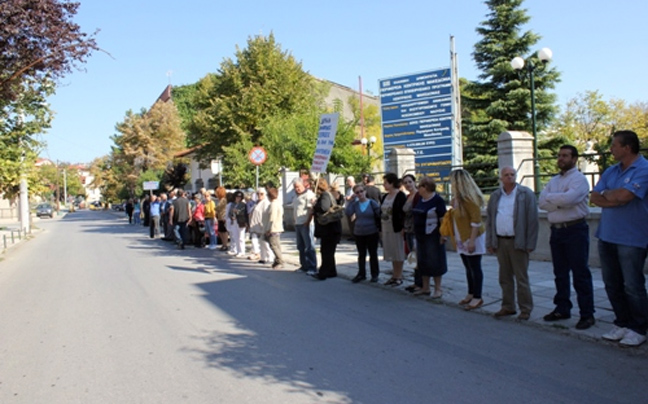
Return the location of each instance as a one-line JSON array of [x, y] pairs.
[[512, 233]]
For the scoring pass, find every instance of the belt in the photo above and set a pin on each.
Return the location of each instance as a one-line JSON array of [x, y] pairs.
[[506, 237], [567, 224]]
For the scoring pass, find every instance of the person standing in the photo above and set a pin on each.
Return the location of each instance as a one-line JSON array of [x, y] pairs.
[[154, 217], [129, 210], [370, 187], [179, 217], [329, 234], [273, 227], [409, 182], [565, 199], [350, 196], [237, 224], [260, 247], [512, 233], [392, 217], [469, 233], [302, 205], [198, 221], [622, 193], [427, 213], [210, 220], [221, 217], [164, 215], [146, 211], [367, 213]]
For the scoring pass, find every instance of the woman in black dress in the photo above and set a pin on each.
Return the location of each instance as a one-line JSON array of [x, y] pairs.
[[329, 234]]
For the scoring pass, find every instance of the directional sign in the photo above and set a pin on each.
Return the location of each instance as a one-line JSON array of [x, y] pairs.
[[417, 114], [257, 156]]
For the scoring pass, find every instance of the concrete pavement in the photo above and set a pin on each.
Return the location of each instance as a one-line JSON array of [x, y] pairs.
[[455, 287]]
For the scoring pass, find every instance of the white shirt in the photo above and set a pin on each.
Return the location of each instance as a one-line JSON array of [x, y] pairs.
[[505, 211], [565, 197]]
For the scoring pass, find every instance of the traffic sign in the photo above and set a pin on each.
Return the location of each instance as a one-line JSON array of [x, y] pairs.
[[257, 155]]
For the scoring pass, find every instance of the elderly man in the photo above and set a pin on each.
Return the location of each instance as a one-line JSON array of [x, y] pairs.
[[302, 205], [565, 199], [622, 192], [512, 233], [260, 248]]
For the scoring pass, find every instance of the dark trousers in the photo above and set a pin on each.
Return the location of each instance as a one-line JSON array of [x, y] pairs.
[[625, 284], [328, 244], [474, 274], [364, 244], [570, 252]]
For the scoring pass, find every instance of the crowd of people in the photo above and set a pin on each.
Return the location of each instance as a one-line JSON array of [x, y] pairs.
[[411, 219]]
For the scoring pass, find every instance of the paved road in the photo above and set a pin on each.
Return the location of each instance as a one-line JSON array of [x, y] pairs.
[[95, 312]]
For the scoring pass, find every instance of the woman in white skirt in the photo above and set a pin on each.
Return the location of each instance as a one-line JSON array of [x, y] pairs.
[[392, 222]]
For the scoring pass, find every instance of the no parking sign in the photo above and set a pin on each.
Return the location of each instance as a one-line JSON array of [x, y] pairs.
[[257, 156]]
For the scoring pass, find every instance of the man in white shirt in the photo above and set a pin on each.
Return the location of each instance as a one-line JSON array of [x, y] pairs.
[[302, 214], [512, 233], [565, 199]]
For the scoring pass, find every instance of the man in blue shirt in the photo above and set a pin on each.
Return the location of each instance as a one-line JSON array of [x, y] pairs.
[[622, 192]]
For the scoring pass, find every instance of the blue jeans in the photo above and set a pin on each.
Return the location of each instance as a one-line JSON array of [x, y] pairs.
[[209, 225], [180, 231], [570, 252], [306, 247], [625, 284]]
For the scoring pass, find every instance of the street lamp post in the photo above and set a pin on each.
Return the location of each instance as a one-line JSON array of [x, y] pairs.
[[518, 63], [368, 143]]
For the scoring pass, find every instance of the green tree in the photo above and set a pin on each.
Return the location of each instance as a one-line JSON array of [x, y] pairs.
[[501, 100], [233, 105]]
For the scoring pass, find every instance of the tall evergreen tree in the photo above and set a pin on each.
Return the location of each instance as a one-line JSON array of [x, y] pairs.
[[501, 99]]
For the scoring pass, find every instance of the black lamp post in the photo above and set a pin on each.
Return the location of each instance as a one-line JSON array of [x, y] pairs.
[[517, 63]]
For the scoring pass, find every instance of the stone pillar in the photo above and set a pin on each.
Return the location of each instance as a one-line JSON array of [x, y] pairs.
[[401, 161], [515, 149]]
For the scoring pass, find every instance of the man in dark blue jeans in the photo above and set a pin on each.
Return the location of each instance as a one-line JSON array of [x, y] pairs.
[[622, 192], [565, 199]]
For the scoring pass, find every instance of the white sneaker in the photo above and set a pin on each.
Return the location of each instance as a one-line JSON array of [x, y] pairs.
[[240, 255], [212, 247], [231, 252], [615, 334], [632, 338]]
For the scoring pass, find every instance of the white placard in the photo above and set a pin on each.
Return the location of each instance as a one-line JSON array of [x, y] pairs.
[[151, 185], [325, 141]]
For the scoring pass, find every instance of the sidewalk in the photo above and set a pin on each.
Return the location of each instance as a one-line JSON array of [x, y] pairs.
[[455, 288]]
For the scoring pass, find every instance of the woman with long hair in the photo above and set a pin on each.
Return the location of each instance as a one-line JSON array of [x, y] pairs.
[[469, 236], [392, 218], [430, 248], [237, 223], [329, 234]]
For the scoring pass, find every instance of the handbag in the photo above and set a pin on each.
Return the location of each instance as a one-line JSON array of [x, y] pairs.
[[334, 214], [447, 227]]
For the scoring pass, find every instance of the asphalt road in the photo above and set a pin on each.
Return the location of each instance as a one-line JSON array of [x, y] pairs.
[[93, 311]]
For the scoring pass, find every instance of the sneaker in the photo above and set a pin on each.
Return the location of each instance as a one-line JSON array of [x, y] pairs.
[[212, 247], [239, 255], [231, 252], [632, 338], [311, 272], [615, 334]]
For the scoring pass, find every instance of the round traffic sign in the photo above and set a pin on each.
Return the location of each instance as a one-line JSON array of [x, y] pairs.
[[257, 155]]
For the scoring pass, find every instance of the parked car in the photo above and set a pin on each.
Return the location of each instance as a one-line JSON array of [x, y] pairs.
[[45, 209], [120, 207]]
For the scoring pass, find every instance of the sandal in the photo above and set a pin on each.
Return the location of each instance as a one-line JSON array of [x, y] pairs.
[[411, 288], [394, 282], [421, 292]]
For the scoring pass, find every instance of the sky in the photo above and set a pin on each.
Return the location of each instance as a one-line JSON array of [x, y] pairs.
[[597, 45]]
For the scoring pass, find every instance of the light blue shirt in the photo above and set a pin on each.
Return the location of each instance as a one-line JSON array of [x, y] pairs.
[[626, 224]]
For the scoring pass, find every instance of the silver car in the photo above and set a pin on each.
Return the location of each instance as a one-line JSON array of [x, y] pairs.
[[44, 209]]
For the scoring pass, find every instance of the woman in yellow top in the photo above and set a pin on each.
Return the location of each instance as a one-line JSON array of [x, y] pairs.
[[210, 220], [469, 236]]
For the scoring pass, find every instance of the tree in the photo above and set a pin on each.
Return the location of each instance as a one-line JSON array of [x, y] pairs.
[[501, 100], [233, 105], [39, 44], [147, 141]]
